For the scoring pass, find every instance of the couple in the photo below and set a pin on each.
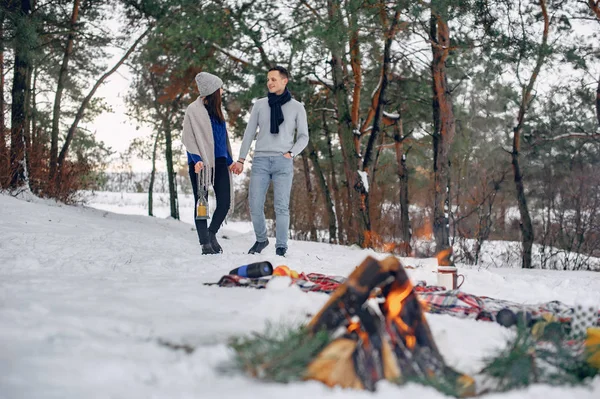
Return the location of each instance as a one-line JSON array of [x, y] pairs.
[[205, 137]]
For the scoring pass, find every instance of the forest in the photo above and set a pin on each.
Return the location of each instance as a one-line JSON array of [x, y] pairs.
[[454, 121]]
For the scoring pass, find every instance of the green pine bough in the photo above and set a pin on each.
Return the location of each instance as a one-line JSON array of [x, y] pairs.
[[544, 358], [282, 354]]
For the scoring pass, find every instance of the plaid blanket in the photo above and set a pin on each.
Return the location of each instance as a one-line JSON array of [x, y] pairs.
[[465, 305], [434, 299]]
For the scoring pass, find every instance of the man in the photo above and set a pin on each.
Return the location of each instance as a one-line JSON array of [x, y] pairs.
[[277, 117]]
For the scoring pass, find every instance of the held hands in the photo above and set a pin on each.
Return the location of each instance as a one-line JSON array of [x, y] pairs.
[[237, 167], [198, 167]]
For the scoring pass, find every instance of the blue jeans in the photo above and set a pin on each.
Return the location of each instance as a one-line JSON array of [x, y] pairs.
[[280, 170]]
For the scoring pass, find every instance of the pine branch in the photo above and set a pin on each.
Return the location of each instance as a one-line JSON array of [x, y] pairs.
[[280, 354], [547, 358]]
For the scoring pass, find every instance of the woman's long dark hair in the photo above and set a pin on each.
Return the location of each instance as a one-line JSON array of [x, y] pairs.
[[213, 105]]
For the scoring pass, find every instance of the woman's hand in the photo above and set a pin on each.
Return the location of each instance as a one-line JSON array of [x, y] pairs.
[[198, 167], [237, 167]]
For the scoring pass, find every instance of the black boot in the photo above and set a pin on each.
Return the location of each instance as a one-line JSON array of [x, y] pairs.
[[280, 251], [212, 238], [258, 246], [207, 249]]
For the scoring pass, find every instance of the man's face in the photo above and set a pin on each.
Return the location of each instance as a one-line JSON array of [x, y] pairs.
[[276, 82]]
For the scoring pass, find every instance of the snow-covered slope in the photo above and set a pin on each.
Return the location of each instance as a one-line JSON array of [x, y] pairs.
[[87, 297]]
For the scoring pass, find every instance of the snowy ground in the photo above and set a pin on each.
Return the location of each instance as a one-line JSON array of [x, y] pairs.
[[87, 296]]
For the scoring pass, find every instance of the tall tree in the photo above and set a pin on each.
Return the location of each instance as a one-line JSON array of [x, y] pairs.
[[402, 171], [527, 233], [356, 186], [62, 77], [443, 124], [3, 150], [24, 34], [595, 8]]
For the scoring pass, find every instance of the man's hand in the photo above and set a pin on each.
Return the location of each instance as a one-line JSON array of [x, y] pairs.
[[237, 167], [198, 167], [288, 155]]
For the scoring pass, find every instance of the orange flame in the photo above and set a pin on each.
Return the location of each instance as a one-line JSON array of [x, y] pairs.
[[375, 241], [354, 326], [425, 231], [444, 257], [393, 302], [393, 307]]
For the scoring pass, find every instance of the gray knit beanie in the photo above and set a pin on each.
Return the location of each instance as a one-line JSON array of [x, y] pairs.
[[208, 83]]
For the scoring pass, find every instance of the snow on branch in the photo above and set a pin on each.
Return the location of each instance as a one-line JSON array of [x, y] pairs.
[[314, 79], [593, 136], [391, 115], [365, 179]]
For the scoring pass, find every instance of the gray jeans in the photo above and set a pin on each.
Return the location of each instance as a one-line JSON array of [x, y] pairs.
[[281, 170]]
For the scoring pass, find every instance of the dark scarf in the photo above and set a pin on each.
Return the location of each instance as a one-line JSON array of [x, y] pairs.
[[275, 102]]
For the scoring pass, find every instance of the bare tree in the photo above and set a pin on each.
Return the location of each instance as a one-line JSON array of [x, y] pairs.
[[527, 234], [62, 77]]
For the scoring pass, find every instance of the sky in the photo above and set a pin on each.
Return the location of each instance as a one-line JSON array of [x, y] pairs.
[[115, 128]]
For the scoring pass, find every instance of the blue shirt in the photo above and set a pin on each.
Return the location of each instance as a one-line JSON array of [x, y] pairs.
[[219, 129]]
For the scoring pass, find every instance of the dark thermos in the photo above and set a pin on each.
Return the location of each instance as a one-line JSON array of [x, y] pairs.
[[253, 270]]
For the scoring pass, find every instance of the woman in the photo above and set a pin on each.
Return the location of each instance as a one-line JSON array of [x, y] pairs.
[[209, 156]]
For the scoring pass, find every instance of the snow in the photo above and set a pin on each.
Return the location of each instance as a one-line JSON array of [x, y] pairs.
[[364, 178], [316, 79], [89, 300]]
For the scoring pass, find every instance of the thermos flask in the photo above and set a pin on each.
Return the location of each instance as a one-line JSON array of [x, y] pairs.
[[253, 270]]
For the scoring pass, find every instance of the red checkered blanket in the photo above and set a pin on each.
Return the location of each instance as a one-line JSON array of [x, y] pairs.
[[434, 299]]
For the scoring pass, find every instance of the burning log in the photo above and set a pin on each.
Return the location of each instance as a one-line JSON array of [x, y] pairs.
[[391, 341]]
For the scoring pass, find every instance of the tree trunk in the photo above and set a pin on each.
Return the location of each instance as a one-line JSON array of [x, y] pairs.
[[311, 198], [355, 64], [18, 122], [376, 111], [527, 235], [372, 177], [29, 99], [405, 231], [33, 111], [443, 133], [525, 225], [339, 208], [71, 133], [331, 215], [62, 77], [356, 188], [378, 100], [152, 175], [170, 171], [3, 150], [598, 101], [359, 224], [595, 7]]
